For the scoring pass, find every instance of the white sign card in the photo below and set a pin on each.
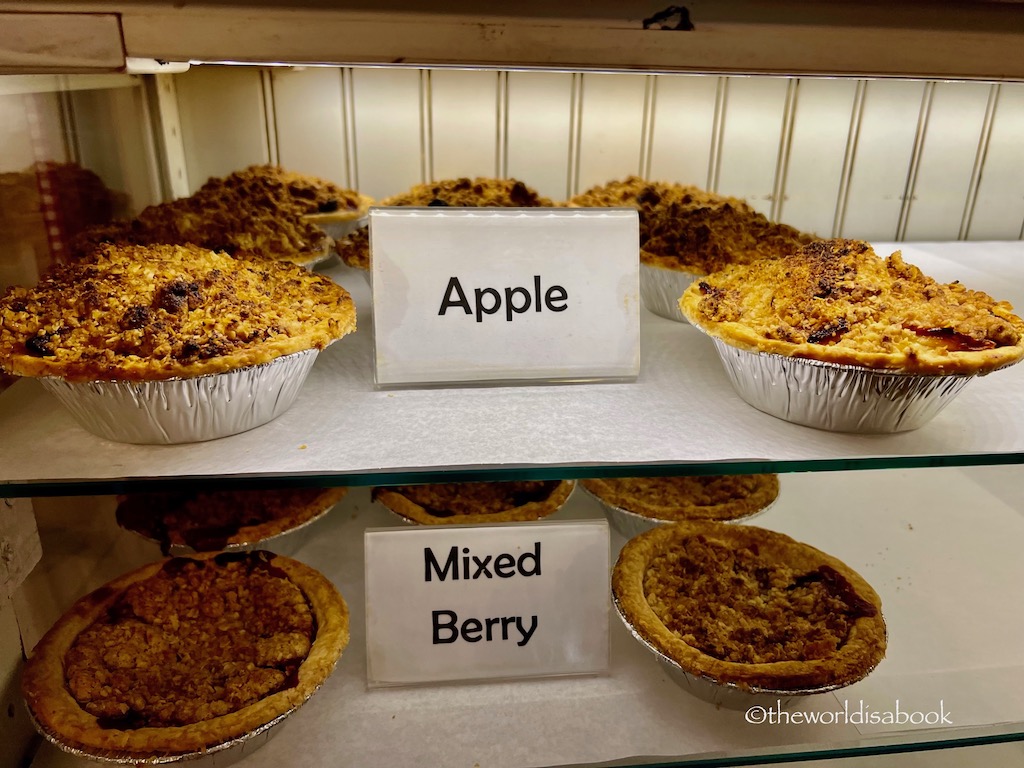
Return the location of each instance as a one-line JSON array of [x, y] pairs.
[[460, 602], [504, 294]]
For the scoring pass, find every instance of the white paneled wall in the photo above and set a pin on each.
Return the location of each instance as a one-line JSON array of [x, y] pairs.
[[873, 159]]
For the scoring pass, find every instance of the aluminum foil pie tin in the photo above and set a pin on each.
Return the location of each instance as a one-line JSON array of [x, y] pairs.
[[661, 289], [724, 695], [631, 524], [834, 397], [222, 755], [339, 230], [188, 410]]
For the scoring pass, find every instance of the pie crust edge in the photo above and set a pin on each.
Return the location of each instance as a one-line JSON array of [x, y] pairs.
[[534, 510], [766, 492]]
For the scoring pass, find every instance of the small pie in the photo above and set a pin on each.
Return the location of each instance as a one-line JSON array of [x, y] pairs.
[[215, 520], [147, 313], [456, 193], [184, 655], [672, 499], [473, 503], [683, 227], [263, 210], [749, 607], [837, 301]]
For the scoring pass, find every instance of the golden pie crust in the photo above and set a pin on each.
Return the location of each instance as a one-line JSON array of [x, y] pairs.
[[185, 654], [685, 228], [146, 313], [263, 210], [749, 607], [696, 497], [215, 520], [474, 503], [837, 301], [480, 192]]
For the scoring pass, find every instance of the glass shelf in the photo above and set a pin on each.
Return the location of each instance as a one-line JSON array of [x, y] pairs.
[[680, 416], [940, 546]]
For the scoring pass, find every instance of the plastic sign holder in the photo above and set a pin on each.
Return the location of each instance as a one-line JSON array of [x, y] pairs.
[[504, 295], [460, 602]]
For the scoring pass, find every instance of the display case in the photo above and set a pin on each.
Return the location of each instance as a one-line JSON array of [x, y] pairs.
[[896, 126]]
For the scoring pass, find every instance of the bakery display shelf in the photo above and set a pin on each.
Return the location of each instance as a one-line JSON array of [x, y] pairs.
[[681, 415], [940, 546]]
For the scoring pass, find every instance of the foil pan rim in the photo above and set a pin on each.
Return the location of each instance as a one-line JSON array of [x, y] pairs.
[[752, 690], [845, 367], [663, 521], [133, 382]]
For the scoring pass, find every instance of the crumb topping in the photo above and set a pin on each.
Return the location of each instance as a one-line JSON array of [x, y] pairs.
[[157, 312], [455, 499], [839, 296], [719, 497], [685, 227], [261, 210], [197, 640], [210, 521], [456, 193], [737, 606]]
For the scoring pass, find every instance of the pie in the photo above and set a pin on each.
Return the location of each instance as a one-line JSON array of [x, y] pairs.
[[185, 654], [263, 210], [837, 301], [215, 520], [145, 313], [683, 227], [472, 503], [671, 499], [456, 193], [745, 606]]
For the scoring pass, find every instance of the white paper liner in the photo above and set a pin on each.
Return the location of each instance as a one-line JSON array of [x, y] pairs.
[[838, 398], [219, 756], [185, 410], [631, 524], [725, 695], [661, 289]]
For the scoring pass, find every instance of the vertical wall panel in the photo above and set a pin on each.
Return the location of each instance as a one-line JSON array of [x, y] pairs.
[[18, 150], [464, 122], [611, 129], [948, 155], [388, 130], [539, 121], [223, 121], [308, 114], [749, 153], [885, 144], [684, 123], [821, 130], [999, 206]]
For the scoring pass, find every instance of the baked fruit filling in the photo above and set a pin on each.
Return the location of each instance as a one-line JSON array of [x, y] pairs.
[[158, 312], [480, 192], [458, 499], [685, 227], [209, 521], [195, 641], [712, 497], [736, 606], [838, 301]]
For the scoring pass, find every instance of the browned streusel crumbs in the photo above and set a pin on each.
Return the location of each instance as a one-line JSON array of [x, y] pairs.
[[840, 293], [714, 497], [195, 641], [208, 521], [735, 606], [139, 311], [694, 229], [259, 210], [449, 499], [455, 193]]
